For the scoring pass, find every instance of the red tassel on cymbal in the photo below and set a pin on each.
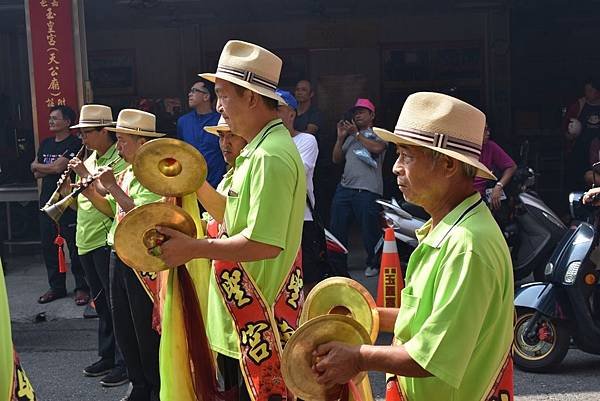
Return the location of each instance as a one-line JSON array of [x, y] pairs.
[[60, 242]]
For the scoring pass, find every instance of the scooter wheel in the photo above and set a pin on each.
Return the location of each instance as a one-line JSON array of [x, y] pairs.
[[546, 349]]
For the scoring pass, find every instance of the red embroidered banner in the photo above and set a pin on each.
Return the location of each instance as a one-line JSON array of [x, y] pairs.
[[52, 58]]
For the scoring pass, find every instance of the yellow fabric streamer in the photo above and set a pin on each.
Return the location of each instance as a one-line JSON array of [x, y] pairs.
[[176, 382], [6, 346]]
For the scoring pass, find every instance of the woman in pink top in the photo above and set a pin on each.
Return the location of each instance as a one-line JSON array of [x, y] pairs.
[[498, 161]]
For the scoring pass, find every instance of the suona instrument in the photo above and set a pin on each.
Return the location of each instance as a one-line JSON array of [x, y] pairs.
[[55, 197], [56, 210]]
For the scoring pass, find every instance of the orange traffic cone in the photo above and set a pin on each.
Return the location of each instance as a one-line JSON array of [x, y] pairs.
[[391, 282]]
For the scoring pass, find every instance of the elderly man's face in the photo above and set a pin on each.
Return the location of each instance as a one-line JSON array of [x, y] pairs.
[[128, 144], [416, 175], [231, 145], [232, 105]]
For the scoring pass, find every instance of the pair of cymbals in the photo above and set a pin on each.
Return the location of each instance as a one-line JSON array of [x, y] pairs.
[[337, 309], [168, 167]]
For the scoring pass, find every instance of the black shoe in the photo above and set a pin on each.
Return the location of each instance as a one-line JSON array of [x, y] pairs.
[[99, 368], [116, 377]]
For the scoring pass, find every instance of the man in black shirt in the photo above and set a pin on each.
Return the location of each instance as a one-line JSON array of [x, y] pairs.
[[308, 118], [52, 159]]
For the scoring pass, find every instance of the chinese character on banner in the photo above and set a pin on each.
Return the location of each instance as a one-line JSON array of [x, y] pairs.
[[44, 3], [231, 284], [252, 337], [50, 14], [53, 70], [54, 85], [50, 25], [55, 3], [52, 59], [51, 38], [61, 102]]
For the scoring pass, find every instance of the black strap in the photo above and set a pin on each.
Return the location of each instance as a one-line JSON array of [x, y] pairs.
[[462, 216]]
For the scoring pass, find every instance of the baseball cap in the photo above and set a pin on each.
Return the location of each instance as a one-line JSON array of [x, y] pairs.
[[365, 103], [290, 100]]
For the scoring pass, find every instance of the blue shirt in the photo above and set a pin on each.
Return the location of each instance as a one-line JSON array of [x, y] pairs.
[[190, 128]]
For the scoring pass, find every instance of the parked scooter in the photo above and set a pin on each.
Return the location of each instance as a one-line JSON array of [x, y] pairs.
[[533, 230], [565, 305]]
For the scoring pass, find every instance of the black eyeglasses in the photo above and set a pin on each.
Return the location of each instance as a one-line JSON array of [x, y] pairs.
[[196, 90]]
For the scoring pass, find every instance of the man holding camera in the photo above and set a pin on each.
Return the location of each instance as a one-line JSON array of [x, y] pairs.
[[361, 184]]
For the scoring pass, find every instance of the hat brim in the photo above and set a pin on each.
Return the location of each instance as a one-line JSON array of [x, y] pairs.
[[87, 125], [482, 170], [136, 132], [214, 129], [212, 77], [354, 108]]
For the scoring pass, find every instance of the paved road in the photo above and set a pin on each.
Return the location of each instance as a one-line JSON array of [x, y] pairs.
[[54, 351]]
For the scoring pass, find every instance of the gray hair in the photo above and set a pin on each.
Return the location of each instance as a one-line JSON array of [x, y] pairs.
[[468, 170]]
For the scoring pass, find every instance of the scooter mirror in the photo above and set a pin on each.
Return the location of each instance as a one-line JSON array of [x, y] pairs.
[[578, 210]]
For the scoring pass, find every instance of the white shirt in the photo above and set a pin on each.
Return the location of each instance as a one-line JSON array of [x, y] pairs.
[[309, 150]]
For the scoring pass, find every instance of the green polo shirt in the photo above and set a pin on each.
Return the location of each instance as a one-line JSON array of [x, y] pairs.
[[456, 313], [265, 203], [136, 191], [92, 224]]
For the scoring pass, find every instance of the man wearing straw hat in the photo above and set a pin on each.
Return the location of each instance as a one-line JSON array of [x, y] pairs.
[[90, 237], [453, 331], [256, 279], [131, 296]]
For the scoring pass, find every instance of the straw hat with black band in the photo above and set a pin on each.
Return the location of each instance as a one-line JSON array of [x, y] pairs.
[[136, 122], [221, 126], [442, 123], [249, 66], [94, 115]]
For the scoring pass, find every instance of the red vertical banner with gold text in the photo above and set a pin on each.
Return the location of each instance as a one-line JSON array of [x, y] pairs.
[[52, 58]]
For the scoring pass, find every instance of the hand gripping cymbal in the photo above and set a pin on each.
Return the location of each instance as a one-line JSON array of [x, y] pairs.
[[136, 234], [297, 361], [169, 167]]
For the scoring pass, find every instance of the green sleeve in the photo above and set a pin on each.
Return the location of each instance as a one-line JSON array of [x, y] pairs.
[[141, 195], [120, 166], [446, 340], [271, 201]]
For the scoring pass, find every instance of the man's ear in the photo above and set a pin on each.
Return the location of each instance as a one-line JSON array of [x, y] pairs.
[[253, 98], [451, 166]]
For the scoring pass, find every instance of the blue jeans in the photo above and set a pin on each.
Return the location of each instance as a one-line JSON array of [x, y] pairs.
[[359, 204]]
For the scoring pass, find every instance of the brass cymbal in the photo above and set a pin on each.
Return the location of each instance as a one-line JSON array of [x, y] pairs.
[[297, 360], [136, 234], [169, 167], [341, 295]]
